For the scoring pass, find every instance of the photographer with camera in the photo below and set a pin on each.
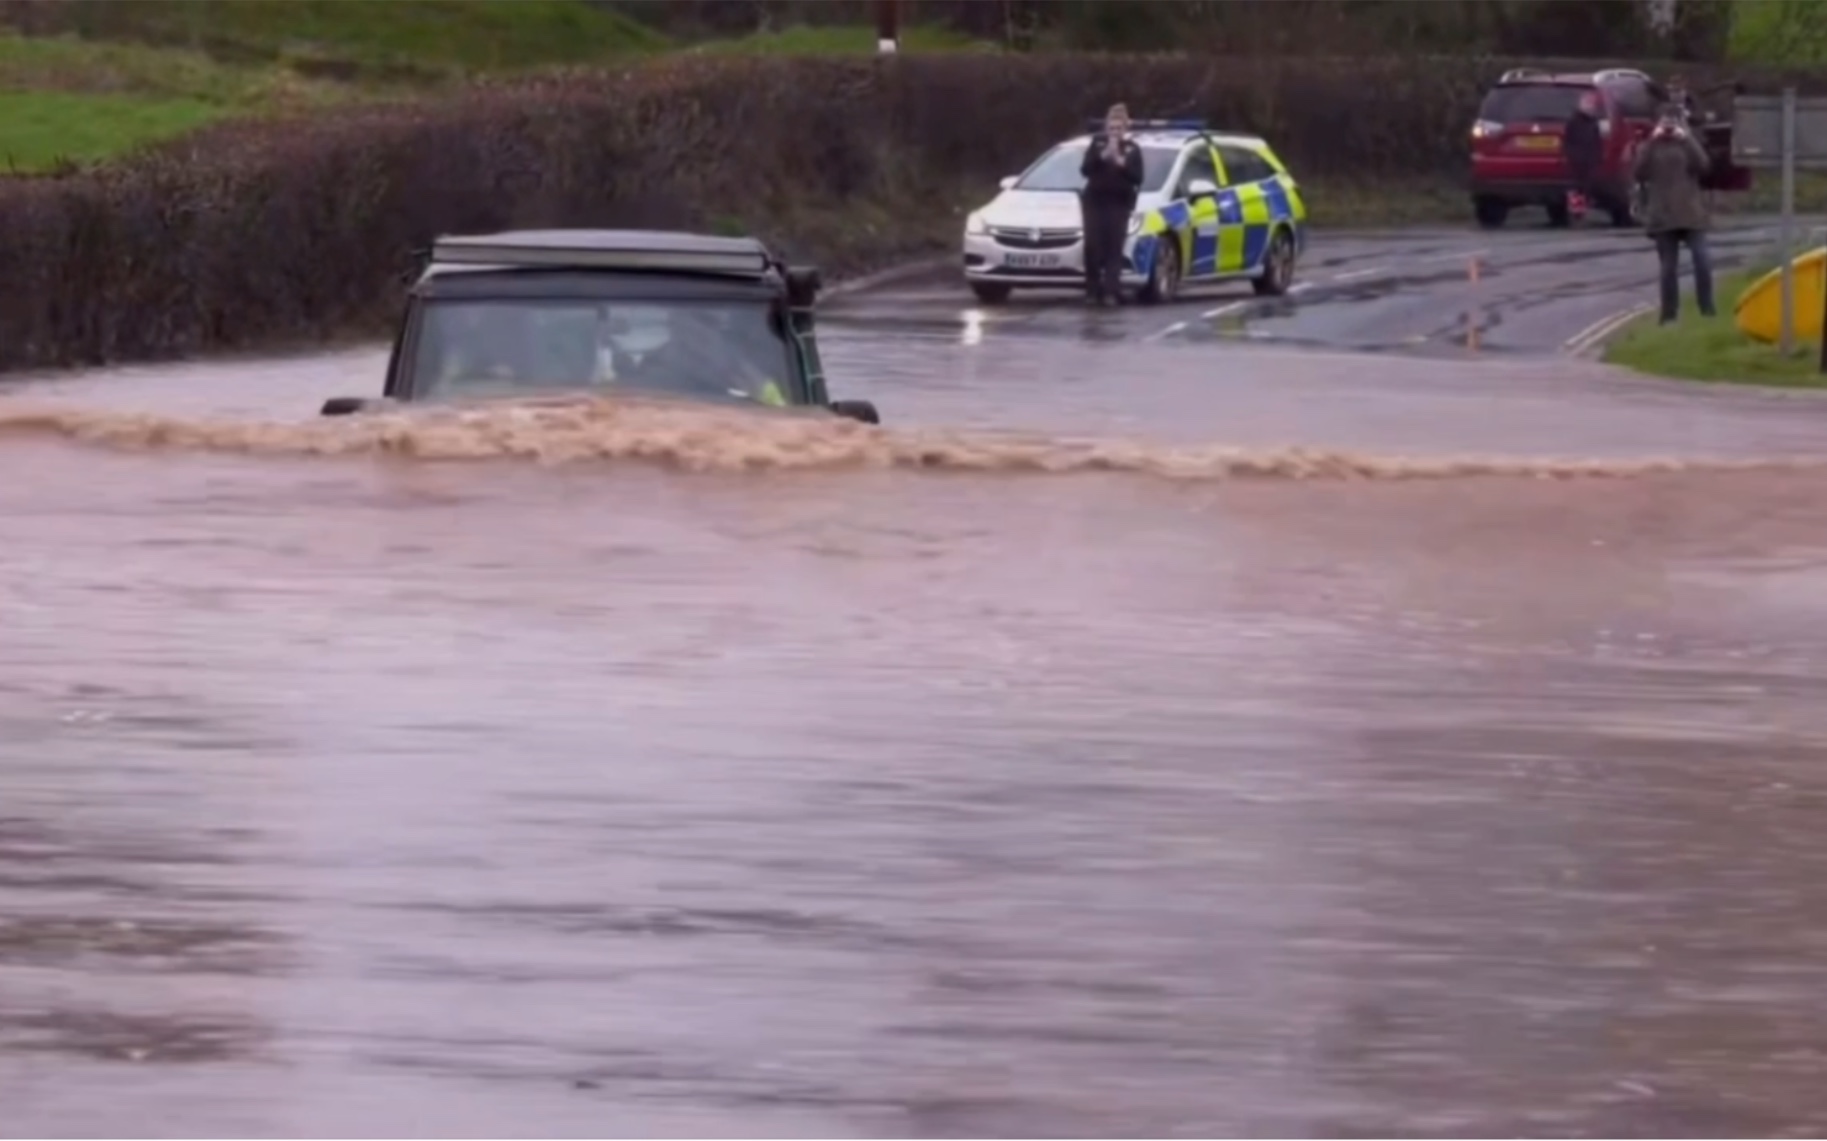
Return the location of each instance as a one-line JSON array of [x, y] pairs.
[[1682, 98], [1668, 170]]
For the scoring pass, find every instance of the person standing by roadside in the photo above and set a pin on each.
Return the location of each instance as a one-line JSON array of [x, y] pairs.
[[1113, 178], [1669, 167], [1679, 95], [1584, 145]]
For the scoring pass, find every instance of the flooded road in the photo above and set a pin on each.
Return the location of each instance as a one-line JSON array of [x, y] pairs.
[[1142, 736]]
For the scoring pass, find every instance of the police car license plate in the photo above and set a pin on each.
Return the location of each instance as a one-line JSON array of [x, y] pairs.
[[1032, 261]]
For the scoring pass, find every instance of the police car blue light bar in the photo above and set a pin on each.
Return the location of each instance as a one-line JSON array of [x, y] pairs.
[[1156, 124]]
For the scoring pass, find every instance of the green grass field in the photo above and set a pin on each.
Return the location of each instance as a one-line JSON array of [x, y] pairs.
[[68, 100], [41, 129], [1711, 348], [128, 73], [380, 36]]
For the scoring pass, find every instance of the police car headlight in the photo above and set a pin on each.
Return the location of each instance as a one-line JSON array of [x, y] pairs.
[[975, 225], [1135, 224]]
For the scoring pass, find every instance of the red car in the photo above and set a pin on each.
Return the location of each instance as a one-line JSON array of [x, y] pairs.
[[1516, 142]]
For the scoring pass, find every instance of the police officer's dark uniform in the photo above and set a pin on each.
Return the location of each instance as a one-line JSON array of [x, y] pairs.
[[1106, 202]]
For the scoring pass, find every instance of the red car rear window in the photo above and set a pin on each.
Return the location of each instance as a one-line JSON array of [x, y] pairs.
[[1531, 103]]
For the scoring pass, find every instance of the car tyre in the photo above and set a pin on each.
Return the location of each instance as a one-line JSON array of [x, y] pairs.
[[991, 292], [1164, 276], [1277, 275], [1490, 212]]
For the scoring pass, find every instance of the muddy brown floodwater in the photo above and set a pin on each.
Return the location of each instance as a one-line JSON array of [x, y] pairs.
[[674, 774]]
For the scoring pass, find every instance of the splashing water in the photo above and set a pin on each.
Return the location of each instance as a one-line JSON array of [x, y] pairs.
[[698, 438]]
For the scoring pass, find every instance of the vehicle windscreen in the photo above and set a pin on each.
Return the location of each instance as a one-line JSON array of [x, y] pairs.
[[1058, 168], [503, 347], [1531, 103]]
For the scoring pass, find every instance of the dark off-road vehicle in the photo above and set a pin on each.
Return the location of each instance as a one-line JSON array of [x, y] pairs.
[[538, 313]]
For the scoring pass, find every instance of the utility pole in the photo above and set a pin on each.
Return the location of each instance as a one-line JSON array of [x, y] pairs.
[[887, 26]]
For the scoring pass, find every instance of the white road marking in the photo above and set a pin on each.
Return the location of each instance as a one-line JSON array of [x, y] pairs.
[[1355, 274], [1233, 307], [1594, 334], [1176, 327]]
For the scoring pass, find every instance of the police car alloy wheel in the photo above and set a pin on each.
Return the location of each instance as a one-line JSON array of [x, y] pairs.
[[1164, 275], [1277, 266]]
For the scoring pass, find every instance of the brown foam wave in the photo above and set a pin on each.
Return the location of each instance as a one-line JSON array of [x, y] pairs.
[[710, 439]]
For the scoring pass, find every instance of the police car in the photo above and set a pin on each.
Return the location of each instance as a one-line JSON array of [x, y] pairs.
[[1212, 206]]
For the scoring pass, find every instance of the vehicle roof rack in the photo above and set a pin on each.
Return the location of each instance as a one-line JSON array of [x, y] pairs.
[[1517, 73], [605, 249], [1603, 74], [1156, 125]]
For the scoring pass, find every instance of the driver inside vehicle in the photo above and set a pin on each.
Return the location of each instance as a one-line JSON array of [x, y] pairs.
[[481, 343], [675, 350], [708, 351]]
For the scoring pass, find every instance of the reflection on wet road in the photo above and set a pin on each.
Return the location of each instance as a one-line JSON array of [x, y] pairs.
[[1447, 293], [356, 795]]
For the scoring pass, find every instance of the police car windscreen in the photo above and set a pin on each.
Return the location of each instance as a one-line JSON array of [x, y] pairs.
[[1531, 103], [1059, 168], [499, 347]]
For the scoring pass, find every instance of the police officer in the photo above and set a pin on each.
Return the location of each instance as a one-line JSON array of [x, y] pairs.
[[1113, 177]]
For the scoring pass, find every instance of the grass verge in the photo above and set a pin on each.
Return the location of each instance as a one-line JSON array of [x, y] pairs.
[[65, 100], [1711, 349], [42, 131], [356, 38], [840, 40], [93, 93]]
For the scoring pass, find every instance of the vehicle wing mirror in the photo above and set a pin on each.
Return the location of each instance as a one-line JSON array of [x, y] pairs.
[[1007, 182], [803, 285], [1201, 188], [351, 405], [861, 410]]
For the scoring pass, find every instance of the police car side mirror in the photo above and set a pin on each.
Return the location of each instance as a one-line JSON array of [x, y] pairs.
[[1202, 188], [1007, 183]]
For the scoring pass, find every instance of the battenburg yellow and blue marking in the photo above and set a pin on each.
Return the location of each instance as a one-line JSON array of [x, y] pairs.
[[1226, 235]]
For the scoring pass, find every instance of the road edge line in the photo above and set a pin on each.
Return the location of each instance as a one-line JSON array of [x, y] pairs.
[[1593, 337], [887, 276]]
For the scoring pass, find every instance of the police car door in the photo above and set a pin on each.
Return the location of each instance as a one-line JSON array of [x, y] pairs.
[[1202, 211], [1247, 207]]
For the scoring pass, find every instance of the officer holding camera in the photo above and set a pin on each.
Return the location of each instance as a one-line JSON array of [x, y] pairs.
[[1669, 167], [1113, 180]]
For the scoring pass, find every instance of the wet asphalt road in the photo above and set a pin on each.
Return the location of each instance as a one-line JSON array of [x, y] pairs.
[[1523, 290], [789, 779]]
